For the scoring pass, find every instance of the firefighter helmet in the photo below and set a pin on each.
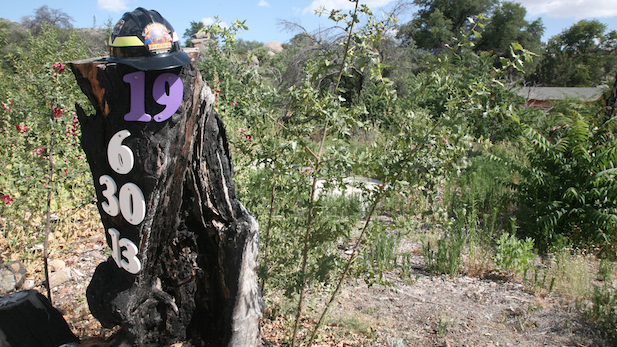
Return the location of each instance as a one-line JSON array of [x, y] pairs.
[[146, 41]]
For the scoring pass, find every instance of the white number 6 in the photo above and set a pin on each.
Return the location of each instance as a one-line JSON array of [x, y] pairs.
[[120, 156]]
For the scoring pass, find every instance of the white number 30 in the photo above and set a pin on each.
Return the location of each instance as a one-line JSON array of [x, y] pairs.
[[132, 203]]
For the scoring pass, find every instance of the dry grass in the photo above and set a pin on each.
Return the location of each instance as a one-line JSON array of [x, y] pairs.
[[574, 274], [478, 261]]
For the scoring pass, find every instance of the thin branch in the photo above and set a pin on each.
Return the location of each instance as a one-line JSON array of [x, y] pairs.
[[267, 236], [307, 236], [353, 22], [390, 184], [352, 257], [48, 218], [310, 151]]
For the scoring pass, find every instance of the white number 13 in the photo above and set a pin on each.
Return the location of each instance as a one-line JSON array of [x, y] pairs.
[[132, 263]]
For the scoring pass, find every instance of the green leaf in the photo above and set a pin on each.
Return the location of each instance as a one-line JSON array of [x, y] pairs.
[[517, 46]]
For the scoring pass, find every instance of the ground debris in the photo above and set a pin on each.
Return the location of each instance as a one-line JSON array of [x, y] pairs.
[[431, 311]]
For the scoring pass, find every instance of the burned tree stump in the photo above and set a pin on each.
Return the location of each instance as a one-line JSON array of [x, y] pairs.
[[184, 249], [27, 318]]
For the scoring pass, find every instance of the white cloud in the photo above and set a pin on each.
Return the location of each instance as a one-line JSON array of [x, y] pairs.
[[210, 21], [263, 3], [113, 5], [342, 5], [578, 9]]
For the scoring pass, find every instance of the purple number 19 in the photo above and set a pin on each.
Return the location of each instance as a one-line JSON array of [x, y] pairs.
[[167, 90]]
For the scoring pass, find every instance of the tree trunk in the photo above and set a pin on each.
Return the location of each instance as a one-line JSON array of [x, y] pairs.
[[184, 249], [27, 318]]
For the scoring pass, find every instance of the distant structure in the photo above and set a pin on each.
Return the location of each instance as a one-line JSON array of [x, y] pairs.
[[545, 97]]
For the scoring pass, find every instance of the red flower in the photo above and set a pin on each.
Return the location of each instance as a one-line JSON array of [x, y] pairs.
[[71, 129], [39, 150], [444, 140], [58, 112], [4, 106], [247, 137], [59, 67], [21, 129], [6, 199]]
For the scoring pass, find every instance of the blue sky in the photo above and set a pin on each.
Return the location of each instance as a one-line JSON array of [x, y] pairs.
[[262, 15]]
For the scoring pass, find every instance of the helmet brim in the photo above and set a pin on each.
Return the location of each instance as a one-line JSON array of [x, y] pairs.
[[156, 62]]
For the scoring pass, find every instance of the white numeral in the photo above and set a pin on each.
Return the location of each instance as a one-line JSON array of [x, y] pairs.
[[115, 250], [127, 258], [131, 204], [111, 207], [120, 156]]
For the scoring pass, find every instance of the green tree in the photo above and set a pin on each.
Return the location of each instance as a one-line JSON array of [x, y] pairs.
[[582, 55], [508, 25], [245, 46], [16, 36], [438, 23]]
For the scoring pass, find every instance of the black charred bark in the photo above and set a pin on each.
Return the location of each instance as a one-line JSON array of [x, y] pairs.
[[197, 244]]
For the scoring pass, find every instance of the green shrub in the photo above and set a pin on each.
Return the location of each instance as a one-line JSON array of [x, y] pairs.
[[567, 185], [444, 257], [513, 255]]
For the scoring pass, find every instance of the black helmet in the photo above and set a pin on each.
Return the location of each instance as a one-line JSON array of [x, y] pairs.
[[146, 41]]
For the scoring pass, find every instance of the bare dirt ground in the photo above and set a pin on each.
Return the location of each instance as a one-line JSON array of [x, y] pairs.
[[430, 311], [443, 311]]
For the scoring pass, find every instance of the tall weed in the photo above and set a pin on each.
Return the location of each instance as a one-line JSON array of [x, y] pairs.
[[444, 256], [603, 310], [379, 256]]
